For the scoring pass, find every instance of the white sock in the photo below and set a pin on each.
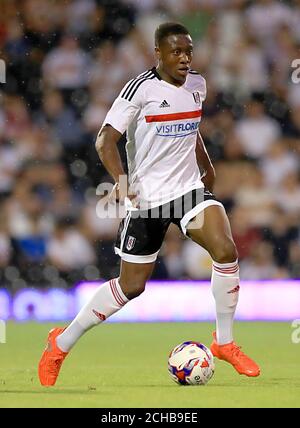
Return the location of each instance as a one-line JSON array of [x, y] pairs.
[[225, 288], [107, 300]]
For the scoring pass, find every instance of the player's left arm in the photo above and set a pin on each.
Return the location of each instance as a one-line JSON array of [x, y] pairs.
[[207, 169]]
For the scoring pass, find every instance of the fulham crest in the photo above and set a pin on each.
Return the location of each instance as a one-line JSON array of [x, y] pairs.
[[130, 243], [197, 98]]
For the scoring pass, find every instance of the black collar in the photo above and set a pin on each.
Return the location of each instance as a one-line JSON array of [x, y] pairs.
[[154, 71]]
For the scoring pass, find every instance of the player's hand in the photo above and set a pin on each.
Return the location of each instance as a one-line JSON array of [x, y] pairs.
[[119, 195]]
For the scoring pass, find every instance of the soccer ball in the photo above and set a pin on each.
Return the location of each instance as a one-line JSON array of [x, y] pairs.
[[191, 363]]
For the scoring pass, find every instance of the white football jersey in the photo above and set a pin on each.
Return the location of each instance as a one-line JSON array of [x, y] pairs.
[[161, 121]]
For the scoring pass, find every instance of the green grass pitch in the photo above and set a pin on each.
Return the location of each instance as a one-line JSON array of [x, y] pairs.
[[125, 365]]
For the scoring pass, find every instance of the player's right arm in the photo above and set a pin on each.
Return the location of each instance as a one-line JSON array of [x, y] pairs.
[[106, 146], [117, 120]]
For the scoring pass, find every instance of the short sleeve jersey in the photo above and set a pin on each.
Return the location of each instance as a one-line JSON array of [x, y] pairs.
[[161, 121]]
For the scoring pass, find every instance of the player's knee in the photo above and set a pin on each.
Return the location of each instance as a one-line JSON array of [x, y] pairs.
[[134, 289], [225, 253]]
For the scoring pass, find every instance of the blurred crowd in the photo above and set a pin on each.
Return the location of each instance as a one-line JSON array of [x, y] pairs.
[[66, 61]]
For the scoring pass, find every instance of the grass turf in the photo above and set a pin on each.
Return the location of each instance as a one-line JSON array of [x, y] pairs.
[[125, 365]]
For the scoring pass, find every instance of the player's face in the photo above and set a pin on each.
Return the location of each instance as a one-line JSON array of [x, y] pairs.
[[175, 56]]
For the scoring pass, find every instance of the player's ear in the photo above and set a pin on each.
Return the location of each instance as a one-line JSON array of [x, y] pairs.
[[157, 53]]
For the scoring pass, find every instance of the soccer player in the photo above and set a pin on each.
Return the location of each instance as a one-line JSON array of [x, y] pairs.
[[161, 111]]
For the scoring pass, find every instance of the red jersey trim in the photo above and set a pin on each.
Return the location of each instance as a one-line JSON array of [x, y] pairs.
[[173, 116]]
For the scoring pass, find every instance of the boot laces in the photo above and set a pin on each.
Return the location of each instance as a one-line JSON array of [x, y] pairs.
[[237, 352]]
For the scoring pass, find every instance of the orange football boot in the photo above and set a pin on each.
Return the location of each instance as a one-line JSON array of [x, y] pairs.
[[232, 353], [52, 359]]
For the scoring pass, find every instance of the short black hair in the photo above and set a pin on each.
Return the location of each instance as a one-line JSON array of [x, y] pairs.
[[167, 29]]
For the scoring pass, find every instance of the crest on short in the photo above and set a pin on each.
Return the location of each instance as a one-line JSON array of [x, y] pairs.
[[130, 242]]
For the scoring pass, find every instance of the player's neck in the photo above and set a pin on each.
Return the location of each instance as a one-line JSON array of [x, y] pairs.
[[164, 76]]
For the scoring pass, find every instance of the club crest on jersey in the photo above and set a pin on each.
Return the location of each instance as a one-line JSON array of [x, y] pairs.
[[130, 243], [197, 98]]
